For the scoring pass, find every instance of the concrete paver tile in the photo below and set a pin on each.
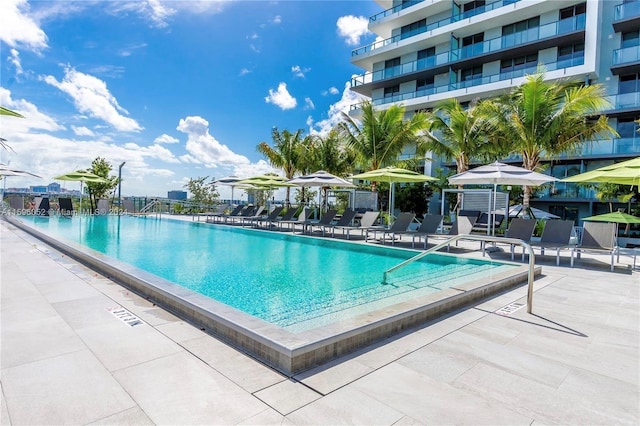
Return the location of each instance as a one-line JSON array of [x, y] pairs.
[[246, 372], [181, 389], [68, 389], [333, 375], [287, 396], [269, 417], [4, 412], [132, 416], [347, 406], [430, 401], [118, 345], [68, 287], [179, 331], [82, 313]]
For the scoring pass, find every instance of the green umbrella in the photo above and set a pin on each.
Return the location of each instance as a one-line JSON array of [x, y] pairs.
[[616, 217], [624, 173], [393, 175], [266, 182], [6, 111], [82, 176]]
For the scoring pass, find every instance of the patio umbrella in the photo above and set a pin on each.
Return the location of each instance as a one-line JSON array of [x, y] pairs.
[[7, 111], [500, 174], [267, 182], [82, 177], [615, 217], [322, 179], [5, 170], [515, 211], [623, 173], [231, 181], [393, 175]]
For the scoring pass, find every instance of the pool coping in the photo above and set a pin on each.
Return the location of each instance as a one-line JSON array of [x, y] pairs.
[[288, 352]]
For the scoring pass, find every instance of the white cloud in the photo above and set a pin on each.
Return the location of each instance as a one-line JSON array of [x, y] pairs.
[[18, 29], [82, 131], [244, 71], [308, 104], [352, 28], [335, 112], [91, 96], [14, 59], [129, 50], [203, 148], [299, 71], [277, 19], [281, 98], [164, 138], [152, 10], [154, 151], [333, 90], [34, 119]]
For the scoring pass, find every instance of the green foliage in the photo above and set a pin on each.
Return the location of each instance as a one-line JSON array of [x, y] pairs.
[[413, 197], [304, 195], [202, 192], [609, 192], [102, 168]]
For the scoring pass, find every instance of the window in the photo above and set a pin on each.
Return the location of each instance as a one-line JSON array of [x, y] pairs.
[[472, 45], [631, 39], [470, 74], [426, 58], [391, 67], [425, 84], [571, 55], [571, 11], [627, 127], [413, 28], [473, 5], [629, 83], [521, 26], [391, 91], [518, 64]]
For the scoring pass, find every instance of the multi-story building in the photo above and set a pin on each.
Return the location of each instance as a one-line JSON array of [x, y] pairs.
[[430, 50]]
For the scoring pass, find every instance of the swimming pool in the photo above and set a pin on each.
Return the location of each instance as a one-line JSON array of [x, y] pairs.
[[309, 289]]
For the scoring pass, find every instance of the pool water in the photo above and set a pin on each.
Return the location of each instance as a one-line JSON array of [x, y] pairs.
[[295, 282]]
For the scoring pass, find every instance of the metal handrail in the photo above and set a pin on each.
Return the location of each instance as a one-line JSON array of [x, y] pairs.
[[485, 238]]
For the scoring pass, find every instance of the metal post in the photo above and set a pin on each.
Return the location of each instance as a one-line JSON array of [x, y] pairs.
[[120, 184]]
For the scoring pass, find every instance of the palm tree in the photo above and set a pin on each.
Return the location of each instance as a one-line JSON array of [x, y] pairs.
[[285, 153], [550, 118], [380, 136], [329, 153]]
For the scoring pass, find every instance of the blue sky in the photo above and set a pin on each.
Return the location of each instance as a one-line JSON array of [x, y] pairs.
[[177, 89]]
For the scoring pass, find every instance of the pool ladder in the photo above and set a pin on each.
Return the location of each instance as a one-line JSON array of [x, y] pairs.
[[483, 238]]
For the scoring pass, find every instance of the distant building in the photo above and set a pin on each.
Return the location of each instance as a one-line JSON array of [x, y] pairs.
[[40, 189], [54, 187], [177, 195]]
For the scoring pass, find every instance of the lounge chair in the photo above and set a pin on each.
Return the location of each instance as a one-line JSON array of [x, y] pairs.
[[102, 207], [484, 223], [16, 202], [521, 229], [302, 218], [128, 206], [42, 206], [249, 212], [346, 218], [556, 235], [366, 224], [429, 226], [288, 215], [326, 219], [400, 225], [597, 237], [222, 217], [461, 226], [66, 206], [270, 217]]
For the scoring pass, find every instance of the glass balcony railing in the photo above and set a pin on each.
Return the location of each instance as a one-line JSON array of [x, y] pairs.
[[624, 101], [626, 11], [431, 90], [393, 10], [626, 55], [550, 30], [429, 27]]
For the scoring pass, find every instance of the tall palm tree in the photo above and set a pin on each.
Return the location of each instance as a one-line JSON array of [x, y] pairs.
[[380, 136], [285, 153], [550, 118], [329, 153]]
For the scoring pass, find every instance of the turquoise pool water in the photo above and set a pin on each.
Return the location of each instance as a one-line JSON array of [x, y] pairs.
[[294, 282]]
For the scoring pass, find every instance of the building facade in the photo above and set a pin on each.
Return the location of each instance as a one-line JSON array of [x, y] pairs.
[[431, 50]]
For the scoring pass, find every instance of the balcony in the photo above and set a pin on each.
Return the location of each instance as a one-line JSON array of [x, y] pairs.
[[622, 104], [429, 27], [433, 90], [393, 10], [521, 43], [626, 60], [626, 17]]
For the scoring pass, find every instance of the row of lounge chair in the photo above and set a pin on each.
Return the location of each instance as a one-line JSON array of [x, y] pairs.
[[558, 235]]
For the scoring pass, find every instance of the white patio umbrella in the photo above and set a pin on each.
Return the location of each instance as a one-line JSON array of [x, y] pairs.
[[6, 170], [500, 174], [231, 181], [322, 179]]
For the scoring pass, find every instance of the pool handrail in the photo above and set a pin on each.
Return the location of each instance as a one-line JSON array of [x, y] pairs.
[[489, 238]]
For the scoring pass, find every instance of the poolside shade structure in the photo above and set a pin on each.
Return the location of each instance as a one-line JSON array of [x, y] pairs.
[[266, 182], [7, 111], [500, 174], [393, 175], [324, 180], [623, 173], [5, 170], [615, 217], [231, 181], [82, 177], [518, 209]]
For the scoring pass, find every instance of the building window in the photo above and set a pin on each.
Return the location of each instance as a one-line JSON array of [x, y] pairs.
[[631, 39], [426, 58], [472, 45], [570, 55], [521, 26], [413, 28], [472, 6], [471, 74], [627, 128], [629, 83], [571, 11], [391, 67], [520, 63], [391, 91], [425, 84]]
